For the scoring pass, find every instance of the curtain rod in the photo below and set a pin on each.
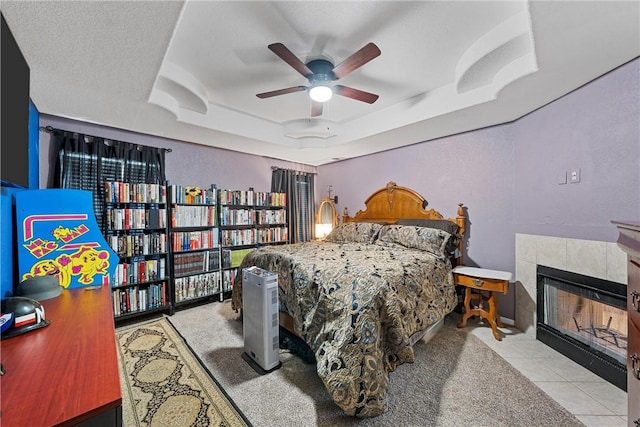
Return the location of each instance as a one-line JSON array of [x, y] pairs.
[[52, 129], [273, 168]]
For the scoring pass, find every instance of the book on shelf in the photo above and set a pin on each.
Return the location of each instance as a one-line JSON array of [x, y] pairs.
[[237, 197], [138, 244], [263, 198], [273, 234], [278, 216], [125, 192], [235, 216], [137, 299], [193, 240], [238, 255], [195, 262], [196, 286], [239, 237], [232, 258], [135, 218], [226, 258], [156, 218], [193, 216], [193, 195], [139, 271], [228, 279]]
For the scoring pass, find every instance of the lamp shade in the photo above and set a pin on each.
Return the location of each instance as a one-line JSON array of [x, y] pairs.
[[323, 230]]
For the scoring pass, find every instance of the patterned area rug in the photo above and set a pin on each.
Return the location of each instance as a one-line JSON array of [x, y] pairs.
[[164, 384]]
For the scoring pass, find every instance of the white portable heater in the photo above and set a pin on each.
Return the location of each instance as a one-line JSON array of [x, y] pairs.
[[260, 325]]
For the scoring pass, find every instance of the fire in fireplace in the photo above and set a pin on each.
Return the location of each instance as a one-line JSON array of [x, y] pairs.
[[585, 319]]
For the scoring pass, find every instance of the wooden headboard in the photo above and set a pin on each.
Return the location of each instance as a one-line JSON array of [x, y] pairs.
[[393, 202]]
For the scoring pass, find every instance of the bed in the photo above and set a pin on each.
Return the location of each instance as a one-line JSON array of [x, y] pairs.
[[363, 296]]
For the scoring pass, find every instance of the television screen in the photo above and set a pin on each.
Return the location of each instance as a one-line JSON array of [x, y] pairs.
[[14, 132]]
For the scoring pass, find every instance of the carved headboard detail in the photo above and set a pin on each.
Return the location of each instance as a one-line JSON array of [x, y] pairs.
[[394, 202]]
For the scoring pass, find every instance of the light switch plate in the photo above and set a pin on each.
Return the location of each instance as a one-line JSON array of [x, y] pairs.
[[574, 176]]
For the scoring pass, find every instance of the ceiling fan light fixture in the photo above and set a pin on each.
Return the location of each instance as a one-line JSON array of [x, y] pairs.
[[321, 73], [320, 93]]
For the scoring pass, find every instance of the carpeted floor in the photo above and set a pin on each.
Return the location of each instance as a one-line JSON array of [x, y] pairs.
[[456, 381], [164, 384]]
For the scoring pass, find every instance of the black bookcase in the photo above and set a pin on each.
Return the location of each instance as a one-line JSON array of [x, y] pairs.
[[194, 245], [136, 229], [248, 219]]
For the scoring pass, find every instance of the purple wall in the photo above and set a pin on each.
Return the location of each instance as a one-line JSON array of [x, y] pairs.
[[508, 175], [187, 164], [597, 129], [471, 168]]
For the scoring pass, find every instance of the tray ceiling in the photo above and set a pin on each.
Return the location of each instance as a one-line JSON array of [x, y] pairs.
[[191, 70]]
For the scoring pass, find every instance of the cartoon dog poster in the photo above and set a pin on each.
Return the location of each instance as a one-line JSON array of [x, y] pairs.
[[57, 235]]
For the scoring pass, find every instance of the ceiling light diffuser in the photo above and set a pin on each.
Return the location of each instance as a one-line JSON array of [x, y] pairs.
[[320, 93]]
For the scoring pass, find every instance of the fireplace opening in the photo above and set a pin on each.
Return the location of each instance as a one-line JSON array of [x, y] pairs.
[[585, 319]]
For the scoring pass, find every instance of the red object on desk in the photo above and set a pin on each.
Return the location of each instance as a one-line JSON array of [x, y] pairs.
[[67, 372]]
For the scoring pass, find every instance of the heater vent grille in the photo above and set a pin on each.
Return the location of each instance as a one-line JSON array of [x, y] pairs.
[[260, 316]]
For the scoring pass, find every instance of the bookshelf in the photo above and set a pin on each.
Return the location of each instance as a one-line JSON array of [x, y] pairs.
[[135, 225], [178, 245], [194, 244], [237, 231], [248, 219], [271, 218]]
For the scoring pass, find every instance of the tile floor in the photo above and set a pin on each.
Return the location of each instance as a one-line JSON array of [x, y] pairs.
[[594, 401]]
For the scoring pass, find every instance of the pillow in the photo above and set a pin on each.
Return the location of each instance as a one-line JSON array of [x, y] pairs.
[[354, 232], [427, 239], [441, 224]]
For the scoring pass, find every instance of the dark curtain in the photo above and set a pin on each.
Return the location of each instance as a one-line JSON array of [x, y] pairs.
[[299, 188], [86, 162]]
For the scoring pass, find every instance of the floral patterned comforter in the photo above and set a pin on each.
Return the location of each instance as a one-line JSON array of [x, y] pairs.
[[358, 303]]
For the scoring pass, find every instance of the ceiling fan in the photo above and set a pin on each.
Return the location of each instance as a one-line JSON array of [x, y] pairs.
[[321, 73]]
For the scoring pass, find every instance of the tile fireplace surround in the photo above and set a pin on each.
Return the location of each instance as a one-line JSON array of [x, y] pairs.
[[603, 260]]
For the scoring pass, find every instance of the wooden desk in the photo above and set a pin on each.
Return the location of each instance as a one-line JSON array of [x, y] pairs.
[[65, 373], [482, 284]]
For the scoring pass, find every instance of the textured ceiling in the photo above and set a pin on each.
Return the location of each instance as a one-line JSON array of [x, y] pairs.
[[191, 70]]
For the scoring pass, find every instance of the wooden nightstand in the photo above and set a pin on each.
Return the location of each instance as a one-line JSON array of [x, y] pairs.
[[481, 284]]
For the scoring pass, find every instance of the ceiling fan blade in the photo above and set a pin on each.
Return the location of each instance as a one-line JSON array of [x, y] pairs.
[[281, 91], [357, 60], [316, 109], [287, 56], [356, 94]]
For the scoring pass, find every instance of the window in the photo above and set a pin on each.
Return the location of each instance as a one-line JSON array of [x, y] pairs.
[[301, 201], [87, 162]]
